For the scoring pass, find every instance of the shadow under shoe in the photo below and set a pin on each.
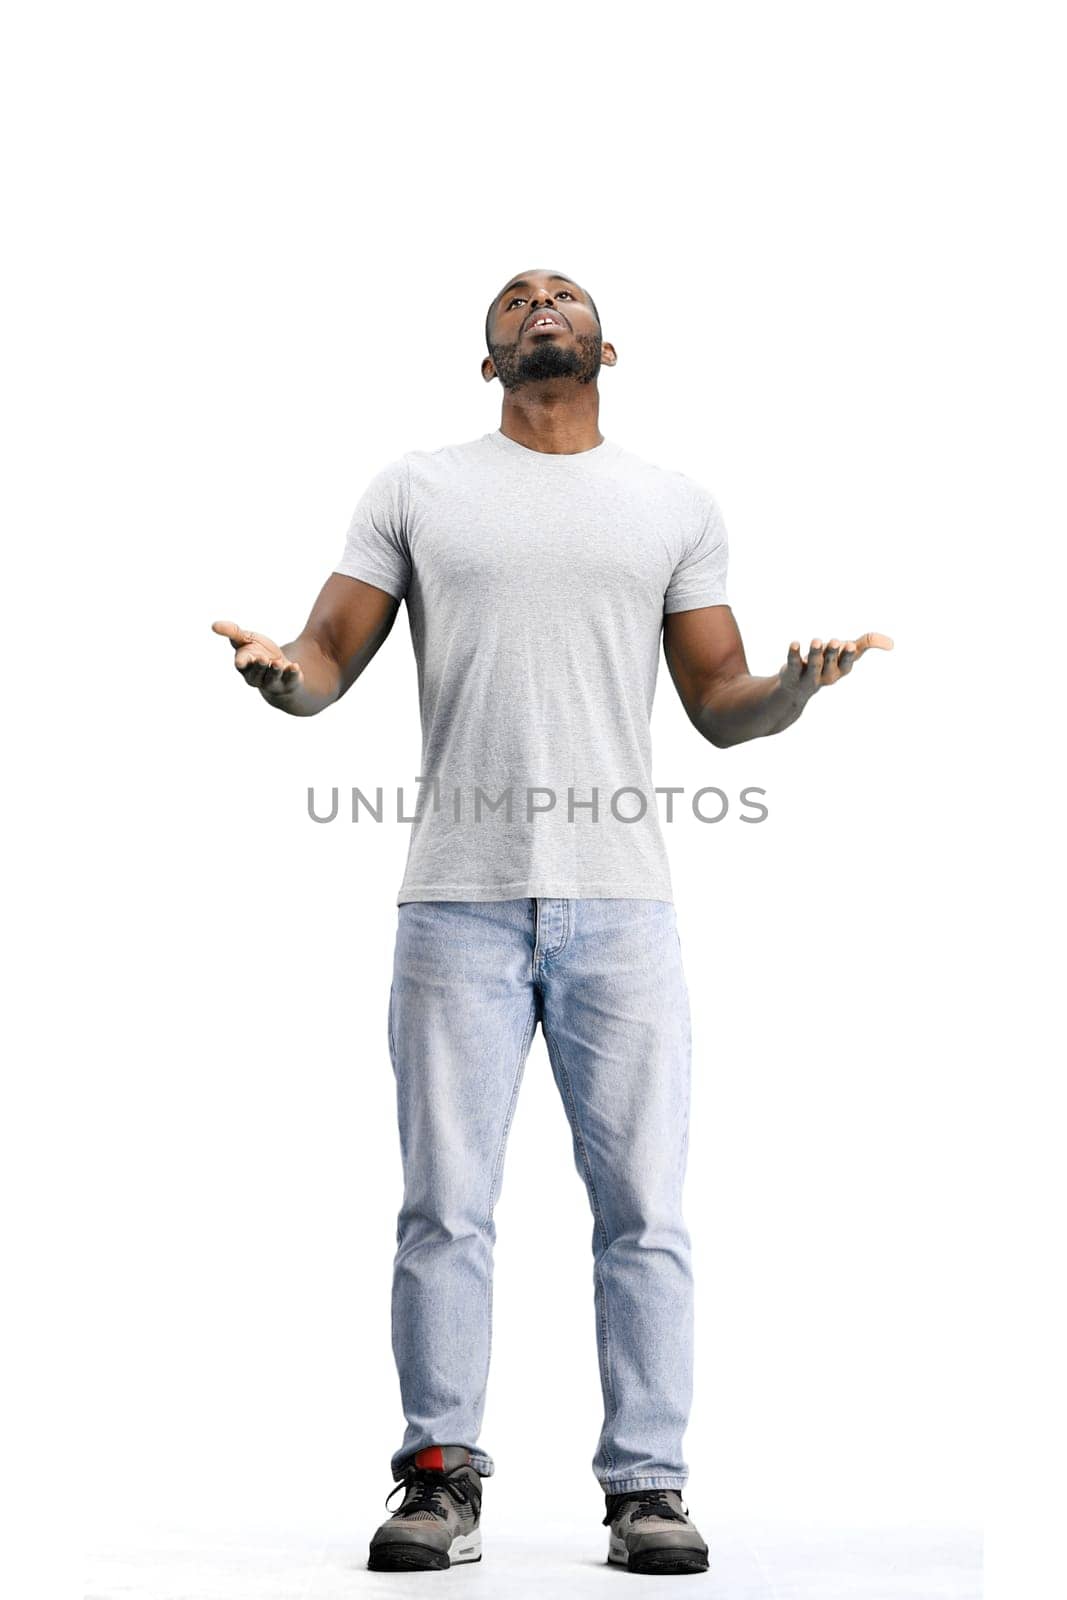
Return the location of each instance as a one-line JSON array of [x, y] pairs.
[[651, 1532], [438, 1522]]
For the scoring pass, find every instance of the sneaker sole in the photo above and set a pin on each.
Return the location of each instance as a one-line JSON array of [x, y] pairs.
[[407, 1556], [652, 1561]]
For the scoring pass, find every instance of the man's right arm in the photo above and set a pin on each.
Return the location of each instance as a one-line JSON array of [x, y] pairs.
[[348, 623]]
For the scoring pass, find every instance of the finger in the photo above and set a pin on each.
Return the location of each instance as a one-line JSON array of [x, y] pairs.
[[272, 675], [285, 678], [829, 662], [847, 657], [873, 641], [232, 631], [794, 663], [275, 675], [247, 653], [254, 672], [814, 672]]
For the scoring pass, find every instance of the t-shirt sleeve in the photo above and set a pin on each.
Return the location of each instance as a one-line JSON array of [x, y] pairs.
[[376, 547], [699, 579]]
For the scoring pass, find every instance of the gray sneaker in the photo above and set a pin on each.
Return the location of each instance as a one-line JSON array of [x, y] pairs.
[[651, 1532], [437, 1523]]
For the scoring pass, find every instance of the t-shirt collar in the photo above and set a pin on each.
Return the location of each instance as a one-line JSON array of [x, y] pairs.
[[592, 457]]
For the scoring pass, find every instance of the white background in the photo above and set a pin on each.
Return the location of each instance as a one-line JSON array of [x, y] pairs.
[[252, 253]]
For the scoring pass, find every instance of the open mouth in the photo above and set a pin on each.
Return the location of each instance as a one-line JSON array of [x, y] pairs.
[[545, 322]]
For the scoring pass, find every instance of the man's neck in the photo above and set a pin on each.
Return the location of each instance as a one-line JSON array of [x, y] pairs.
[[556, 423]]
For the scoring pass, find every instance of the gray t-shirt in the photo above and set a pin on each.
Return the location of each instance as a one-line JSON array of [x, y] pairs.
[[536, 586]]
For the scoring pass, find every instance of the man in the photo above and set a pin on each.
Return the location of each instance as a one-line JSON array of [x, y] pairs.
[[540, 564]]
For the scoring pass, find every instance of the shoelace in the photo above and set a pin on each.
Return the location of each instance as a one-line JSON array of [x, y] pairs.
[[424, 1484], [647, 1503]]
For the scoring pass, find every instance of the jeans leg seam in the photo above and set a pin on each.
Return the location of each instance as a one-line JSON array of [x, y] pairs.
[[499, 1161], [524, 1047], [688, 1103], [572, 1112]]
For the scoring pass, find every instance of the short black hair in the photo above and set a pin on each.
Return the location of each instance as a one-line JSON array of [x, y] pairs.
[[492, 307]]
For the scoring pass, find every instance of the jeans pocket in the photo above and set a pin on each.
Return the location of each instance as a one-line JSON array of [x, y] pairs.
[[391, 1024]]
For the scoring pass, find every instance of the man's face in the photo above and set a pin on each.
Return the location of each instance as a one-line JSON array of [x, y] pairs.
[[543, 326]]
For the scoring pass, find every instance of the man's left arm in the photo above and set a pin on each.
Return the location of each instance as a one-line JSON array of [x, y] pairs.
[[722, 699]]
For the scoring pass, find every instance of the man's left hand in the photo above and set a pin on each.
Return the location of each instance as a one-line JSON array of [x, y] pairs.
[[825, 664]]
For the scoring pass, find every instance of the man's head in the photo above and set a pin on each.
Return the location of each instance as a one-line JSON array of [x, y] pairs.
[[543, 325]]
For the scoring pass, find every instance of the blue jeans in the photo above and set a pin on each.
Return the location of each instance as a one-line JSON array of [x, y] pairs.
[[604, 978]]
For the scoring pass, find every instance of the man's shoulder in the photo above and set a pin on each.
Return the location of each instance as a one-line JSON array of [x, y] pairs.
[[665, 481], [446, 457]]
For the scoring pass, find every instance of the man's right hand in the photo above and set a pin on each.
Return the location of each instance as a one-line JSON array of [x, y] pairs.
[[348, 622], [262, 664]]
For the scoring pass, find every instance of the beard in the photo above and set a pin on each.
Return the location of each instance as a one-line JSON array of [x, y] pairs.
[[546, 358]]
